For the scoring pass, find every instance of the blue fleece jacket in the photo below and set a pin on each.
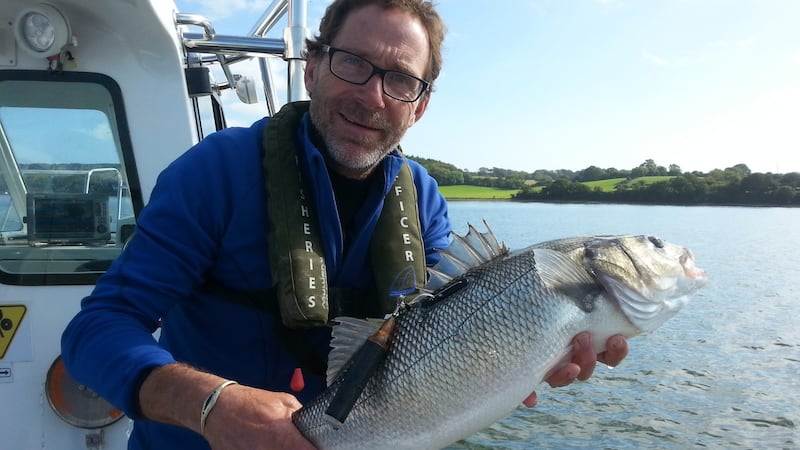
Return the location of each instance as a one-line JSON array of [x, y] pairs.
[[206, 222]]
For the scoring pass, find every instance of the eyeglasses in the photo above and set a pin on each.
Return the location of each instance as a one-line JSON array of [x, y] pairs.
[[354, 69]]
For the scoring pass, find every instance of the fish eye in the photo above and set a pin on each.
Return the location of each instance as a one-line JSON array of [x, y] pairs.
[[658, 242]]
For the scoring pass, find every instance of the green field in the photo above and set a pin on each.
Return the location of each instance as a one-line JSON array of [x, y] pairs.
[[604, 185], [469, 192], [463, 192], [608, 185]]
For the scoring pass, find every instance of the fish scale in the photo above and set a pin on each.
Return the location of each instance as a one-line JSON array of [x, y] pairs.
[[459, 363], [429, 339]]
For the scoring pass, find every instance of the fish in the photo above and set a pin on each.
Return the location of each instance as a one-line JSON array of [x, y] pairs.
[[490, 326]]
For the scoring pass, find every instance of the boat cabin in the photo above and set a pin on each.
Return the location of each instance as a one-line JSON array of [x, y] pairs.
[[96, 98]]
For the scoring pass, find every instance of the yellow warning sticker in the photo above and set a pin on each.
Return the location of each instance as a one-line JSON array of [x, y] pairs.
[[10, 318]]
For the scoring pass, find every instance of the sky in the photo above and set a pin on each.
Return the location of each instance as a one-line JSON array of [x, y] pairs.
[[568, 84]]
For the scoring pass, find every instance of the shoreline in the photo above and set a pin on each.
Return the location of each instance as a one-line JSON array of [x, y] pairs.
[[587, 202]]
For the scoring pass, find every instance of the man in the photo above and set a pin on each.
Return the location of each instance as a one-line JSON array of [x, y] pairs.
[[203, 261]]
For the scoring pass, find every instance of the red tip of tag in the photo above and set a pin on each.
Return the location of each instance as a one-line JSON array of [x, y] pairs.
[[298, 383]]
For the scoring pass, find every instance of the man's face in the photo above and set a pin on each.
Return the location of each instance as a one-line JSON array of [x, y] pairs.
[[359, 123]]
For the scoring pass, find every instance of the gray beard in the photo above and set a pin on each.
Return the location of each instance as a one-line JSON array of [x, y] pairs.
[[363, 162], [344, 161]]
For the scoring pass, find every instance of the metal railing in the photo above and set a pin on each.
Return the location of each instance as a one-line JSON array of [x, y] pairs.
[[209, 47]]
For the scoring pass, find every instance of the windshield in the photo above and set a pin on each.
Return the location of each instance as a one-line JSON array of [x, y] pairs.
[[65, 197]]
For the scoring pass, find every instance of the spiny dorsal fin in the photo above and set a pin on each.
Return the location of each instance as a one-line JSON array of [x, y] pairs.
[[348, 336], [486, 241], [464, 253]]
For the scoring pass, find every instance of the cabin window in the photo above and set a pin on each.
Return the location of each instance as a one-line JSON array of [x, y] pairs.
[[66, 199]]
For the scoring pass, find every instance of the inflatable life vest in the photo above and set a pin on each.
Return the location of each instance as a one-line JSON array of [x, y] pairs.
[[295, 249]]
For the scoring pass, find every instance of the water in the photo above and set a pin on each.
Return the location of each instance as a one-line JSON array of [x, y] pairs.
[[723, 373]]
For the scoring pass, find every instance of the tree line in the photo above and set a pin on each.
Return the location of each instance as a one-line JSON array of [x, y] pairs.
[[736, 185], [67, 178]]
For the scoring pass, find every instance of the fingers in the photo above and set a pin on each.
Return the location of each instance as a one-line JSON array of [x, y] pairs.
[[616, 351], [581, 366], [584, 360], [584, 356], [530, 401], [564, 376]]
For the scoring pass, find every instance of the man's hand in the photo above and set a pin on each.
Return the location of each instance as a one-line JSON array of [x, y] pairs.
[[242, 418], [584, 360], [249, 418]]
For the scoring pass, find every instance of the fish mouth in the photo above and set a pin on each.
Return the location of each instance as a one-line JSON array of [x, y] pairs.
[[690, 270]]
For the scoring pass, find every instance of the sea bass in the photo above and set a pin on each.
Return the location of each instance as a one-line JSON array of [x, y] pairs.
[[493, 326]]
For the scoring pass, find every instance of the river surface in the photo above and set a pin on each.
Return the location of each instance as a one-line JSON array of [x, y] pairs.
[[723, 373]]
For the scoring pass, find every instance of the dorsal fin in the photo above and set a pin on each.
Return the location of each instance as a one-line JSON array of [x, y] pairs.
[[486, 241], [464, 253], [348, 336]]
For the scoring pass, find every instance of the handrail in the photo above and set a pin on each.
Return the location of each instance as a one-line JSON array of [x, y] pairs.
[[198, 20], [295, 36], [226, 49], [226, 44], [270, 17]]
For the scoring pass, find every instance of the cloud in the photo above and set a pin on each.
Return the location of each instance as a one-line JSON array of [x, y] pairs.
[[736, 44], [656, 60], [102, 132], [653, 58], [220, 9]]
